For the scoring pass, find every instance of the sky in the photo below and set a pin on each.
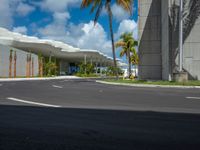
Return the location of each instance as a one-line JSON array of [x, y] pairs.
[[63, 20]]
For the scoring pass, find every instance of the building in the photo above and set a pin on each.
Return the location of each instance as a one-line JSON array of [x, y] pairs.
[[158, 38], [19, 53]]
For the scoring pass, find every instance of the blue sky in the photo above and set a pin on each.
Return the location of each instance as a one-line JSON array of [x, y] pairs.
[[63, 20]]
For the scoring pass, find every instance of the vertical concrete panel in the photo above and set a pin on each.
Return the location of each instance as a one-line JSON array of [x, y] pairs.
[[150, 65], [191, 46], [166, 75], [20, 63]]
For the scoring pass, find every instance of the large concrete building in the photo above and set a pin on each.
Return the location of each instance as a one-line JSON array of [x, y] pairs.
[[158, 38]]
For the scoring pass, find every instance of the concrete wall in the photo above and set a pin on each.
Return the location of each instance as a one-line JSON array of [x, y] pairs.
[[150, 65], [191, 32], [158, 35], [20, 63]]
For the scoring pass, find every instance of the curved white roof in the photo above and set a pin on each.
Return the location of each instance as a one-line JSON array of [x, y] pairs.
[[49, 47]]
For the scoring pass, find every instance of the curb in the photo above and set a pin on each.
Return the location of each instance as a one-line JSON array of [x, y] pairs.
[[37, 79], [147, 85]]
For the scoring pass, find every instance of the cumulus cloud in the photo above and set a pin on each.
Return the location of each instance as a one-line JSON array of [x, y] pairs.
[[84, 35], [5, 14], [21, 29], [55, 6], [127, 25], [9, 8], [24, 9], [119, 13]]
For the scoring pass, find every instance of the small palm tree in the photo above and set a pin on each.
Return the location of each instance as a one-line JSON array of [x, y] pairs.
[[32, 67], [135, 60], [98, 5], [15, 64], [127, 43], [10, 63]]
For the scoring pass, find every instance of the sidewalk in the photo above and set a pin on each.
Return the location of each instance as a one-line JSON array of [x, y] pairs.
[[148, 85], [38, 78]]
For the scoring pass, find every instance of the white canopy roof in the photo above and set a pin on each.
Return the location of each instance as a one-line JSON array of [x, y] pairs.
[[50, 47]]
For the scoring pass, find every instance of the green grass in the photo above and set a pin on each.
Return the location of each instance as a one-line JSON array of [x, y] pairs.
[[189, 83]]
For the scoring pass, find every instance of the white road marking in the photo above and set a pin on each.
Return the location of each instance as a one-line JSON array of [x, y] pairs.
[[30, 102], [56, 86], [193, 97]]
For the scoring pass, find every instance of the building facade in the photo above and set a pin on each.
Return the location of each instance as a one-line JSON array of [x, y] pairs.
[[158, 38], [25, 56]]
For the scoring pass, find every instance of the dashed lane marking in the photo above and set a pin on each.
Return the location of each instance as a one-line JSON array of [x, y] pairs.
[[56, 86], [193, 98], [31, 102]]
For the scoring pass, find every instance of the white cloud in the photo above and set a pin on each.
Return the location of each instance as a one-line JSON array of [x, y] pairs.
[[21, 29], [86, 36], [9, 8], [5, 14], [24, 9], [127, 26], [55, 6], [119, 13]]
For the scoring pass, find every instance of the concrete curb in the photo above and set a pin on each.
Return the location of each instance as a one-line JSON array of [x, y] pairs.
[[148, 85], [37, 79]]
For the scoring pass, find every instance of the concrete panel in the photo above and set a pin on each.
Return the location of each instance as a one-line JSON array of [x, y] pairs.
[[150, 72], [149, 39], [20, 63]]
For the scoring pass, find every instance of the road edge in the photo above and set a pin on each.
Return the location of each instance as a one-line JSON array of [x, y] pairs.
[[148, 85]]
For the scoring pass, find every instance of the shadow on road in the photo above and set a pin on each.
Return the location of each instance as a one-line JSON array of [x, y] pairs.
[[38, 128]]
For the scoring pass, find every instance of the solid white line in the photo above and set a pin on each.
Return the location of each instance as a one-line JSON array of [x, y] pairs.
[[56, 86], [30, 102], [193, 97]]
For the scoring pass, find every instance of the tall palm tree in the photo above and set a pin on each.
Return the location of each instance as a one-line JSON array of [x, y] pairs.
[[32, 67], [15, 64], [98, 5], [127, 43], [10, 63], [135, 60]]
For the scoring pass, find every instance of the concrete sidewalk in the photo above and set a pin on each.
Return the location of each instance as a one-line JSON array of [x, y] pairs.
[[148, 85], [38, 78]]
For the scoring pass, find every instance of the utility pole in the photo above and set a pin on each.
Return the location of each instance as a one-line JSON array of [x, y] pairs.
[[181, 36]]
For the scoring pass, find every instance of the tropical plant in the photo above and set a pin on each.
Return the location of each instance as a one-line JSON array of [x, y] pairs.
[[32, 67], [127, 43], [40, 62], [50, 69], [87, 68], [10, 63], [15, 64], [98, 5]]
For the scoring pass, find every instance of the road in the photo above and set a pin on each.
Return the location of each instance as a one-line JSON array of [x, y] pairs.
[[85, 115]]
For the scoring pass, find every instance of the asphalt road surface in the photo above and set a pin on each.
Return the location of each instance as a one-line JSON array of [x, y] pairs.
[[85, 115]]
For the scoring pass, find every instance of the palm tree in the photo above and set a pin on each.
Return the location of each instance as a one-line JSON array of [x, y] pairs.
[[27, 65], [98, 5], [127, 43], [32, 66], [15, 64], [135, 60], [10, 63]]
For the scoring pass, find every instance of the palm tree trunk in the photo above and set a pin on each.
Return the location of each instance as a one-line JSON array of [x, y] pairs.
[[129, 63], [15, 65], [27, 59], [32, 67], [29, 63], [112, 39], [10, 64]]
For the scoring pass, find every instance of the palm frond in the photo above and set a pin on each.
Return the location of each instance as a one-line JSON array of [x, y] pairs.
[[99, 9], [126, 5], [120, 44], [86, 3]]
